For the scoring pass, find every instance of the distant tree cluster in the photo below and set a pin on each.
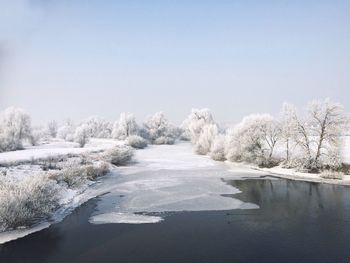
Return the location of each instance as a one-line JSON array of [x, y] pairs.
[[312, 140]]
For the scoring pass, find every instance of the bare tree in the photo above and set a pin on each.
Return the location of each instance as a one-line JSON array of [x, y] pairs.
[[328, 123]]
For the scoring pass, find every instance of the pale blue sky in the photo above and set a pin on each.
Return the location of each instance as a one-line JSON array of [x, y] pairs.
[[62, 59]]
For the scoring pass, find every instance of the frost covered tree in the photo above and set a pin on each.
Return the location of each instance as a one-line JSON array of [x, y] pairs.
[[82, 134], [52, 127], [97, 127], [158, 129], [39, 134], [194, 123], [15, 126], [319, 134], [125, 126], [253, 139], [66, 132], [199, 127], [217, 150], [206, 137], [288, 127]]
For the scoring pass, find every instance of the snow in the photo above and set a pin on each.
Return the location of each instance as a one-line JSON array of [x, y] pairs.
[[55, 148], [346, 150], [124, 218], [169, 179]]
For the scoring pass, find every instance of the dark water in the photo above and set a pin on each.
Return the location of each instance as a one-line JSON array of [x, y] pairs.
[[296, 222]]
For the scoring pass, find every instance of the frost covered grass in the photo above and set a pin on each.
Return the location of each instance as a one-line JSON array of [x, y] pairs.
[[30, 193], [26, 201], [75, 172]]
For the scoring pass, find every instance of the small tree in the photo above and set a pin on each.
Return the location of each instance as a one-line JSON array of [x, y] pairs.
[[253, 139], [125, 127], [15, 125], [194, 123], [98, 127], [288, 126], [158, 129], [52, 128], [81, 135], [204, 142], [66, 131], [217, 151]]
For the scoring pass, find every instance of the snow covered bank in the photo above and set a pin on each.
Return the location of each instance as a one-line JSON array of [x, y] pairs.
[[32, 196], [54, 149], [285, 173], [169, 179]]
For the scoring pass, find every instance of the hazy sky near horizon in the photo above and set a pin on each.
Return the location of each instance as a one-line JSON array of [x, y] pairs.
[[61, 59]]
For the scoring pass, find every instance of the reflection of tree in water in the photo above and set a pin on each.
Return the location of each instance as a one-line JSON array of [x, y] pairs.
[[292, 204]]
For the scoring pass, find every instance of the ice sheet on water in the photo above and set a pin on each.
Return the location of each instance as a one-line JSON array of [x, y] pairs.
[[190, 183]]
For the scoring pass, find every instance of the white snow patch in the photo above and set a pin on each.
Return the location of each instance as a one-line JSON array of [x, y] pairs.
[[126, 218]]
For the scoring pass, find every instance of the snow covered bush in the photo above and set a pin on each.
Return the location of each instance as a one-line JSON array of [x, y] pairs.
[[27, 200], [39, 134], [66, 132], [136, 142], [119, 155], [217, 150], [253, 140], [125, 126], [158, 129], [192, 126], [97, 127], [76, 172], [206, 137], [15, 126], [81, 134]]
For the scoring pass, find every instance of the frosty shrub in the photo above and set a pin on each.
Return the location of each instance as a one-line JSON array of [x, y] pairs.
[[15, 126], [75, 172], [164, 140], [125, 126], [208, 133], [136, 142], [39, 134], [26, 201], [253, 140], [193, 125], [158, 130], [217, 150], [119, 155], [97, 127], [66, 132], [81, 135]]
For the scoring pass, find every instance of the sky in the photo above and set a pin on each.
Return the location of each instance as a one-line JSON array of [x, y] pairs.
[[64, 59]]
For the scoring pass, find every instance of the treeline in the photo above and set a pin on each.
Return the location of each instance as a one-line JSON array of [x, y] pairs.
[[15, 128], [312, 140]]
